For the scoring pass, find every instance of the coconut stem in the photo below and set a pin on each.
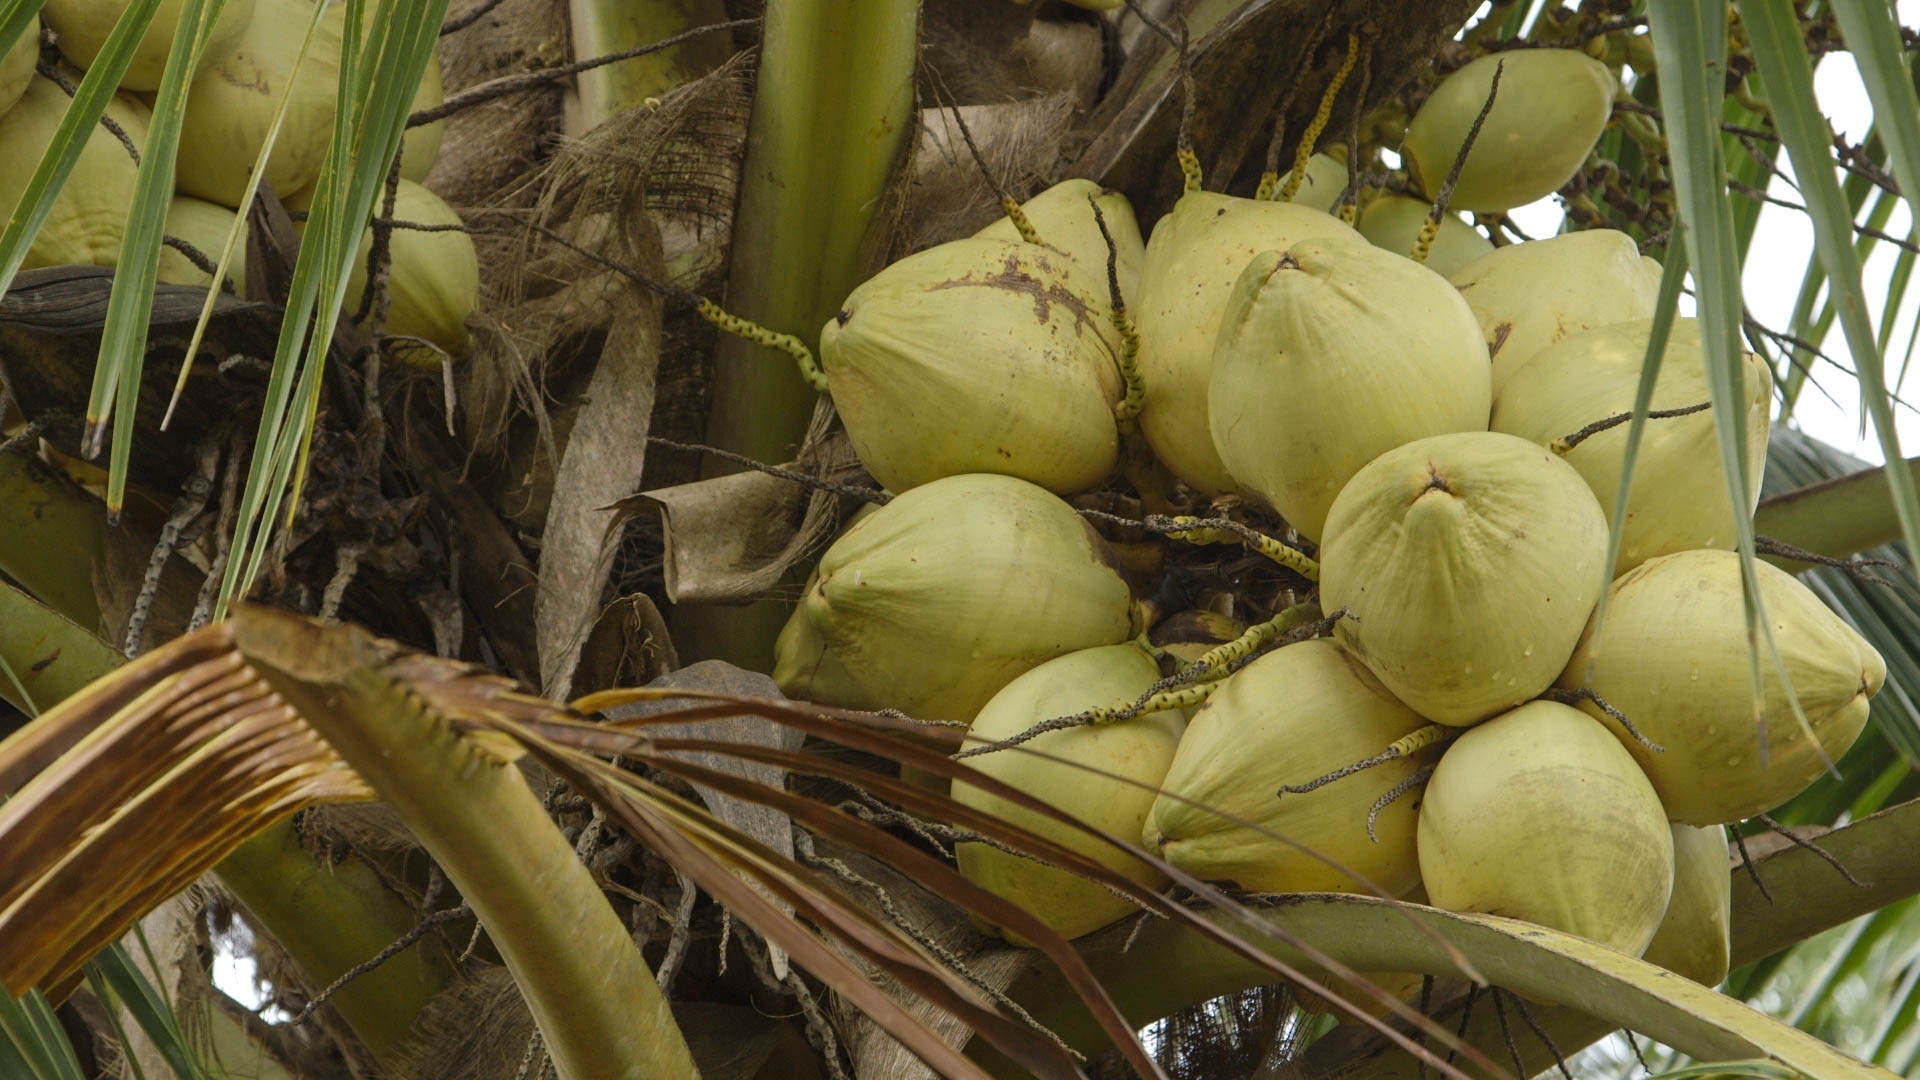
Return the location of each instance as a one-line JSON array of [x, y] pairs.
[[1566, 443], [1183, 141], [1270, 178], [1575, 697], [1193, 530], [1128, 361], [1310, 137], [1215, 660], [1411, 743], [1393, 795], [1440, 198], [1008, 204]]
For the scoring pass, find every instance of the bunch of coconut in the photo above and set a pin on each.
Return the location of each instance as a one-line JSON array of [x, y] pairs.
[[1436, 420], [252, 61]]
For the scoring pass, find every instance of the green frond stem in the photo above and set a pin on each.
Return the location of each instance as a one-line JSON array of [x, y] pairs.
[[1265, 545], [760, 335], [1321, 117]]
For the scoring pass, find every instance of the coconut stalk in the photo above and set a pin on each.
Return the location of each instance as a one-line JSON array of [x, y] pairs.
[[824, 142], [602, 27]]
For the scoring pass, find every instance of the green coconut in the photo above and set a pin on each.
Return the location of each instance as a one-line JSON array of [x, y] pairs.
[[1673, 656], [1291, 716], [978, 355], [1139, 749], [1694, 938], [1467, 565], [204, 225], [433, 279], [1394, 222], [1194, 258], [1679, 499], [237, 90], [83, 26], [1529, 296], [1065, 222], [941, 597], [1538, 814], [18, 65], [1551, 108], [1330, 355], [88, 218]]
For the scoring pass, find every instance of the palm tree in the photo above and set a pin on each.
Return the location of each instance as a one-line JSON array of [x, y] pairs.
[[441, 873]]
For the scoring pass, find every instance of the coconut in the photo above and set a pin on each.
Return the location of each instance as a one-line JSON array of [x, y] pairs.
[[1551, 108], [205, 226], [1194, 258], [938, 599], [1320, 188], [1538, 814], [237, 91], [978, 355], [1529, 296], [88, 217], [1394, 222], [1694, 938], [1673, 656], [1295, 714], [1467, 565], [1139, 749], [420, 146], [433, 279], [82, 27], [1064, 222], [18, 65], [1679, 499], [1329, 356]]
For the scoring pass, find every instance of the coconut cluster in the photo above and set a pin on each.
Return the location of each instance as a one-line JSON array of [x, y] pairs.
[[247, 69], [1420, 410]]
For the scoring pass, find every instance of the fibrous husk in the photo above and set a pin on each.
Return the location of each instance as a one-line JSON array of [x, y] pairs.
[[1329, 355], [17, 66], [490, 147], [1194, 257], [1291, 716], [1064, 220], [1394, 222], [1673, 656], [979, 355], [1538, 814], [1139, 749], [83, 26], [1551, 107], [1679, 499], [1467, 566], [1529, 296], [947, 194], [203, 225], [1694, 936], [89, 216], [935, 601]]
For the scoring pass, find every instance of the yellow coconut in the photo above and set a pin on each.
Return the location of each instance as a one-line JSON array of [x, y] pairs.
[[235, 94], [1679, 498], [1551, 108], [1673, 656], [1064, 221], [433, 279], [83, 26], [88, 218], [1330, 355], [420, 146], [1394, 222], [1538, 814], [1291, 716], [18, 65], [1139, 749], [978, 355], [938, 599], [1467, 566], [203, 225], [1694, 936], [1194, 257], [1320, 188], [1529, 296]]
